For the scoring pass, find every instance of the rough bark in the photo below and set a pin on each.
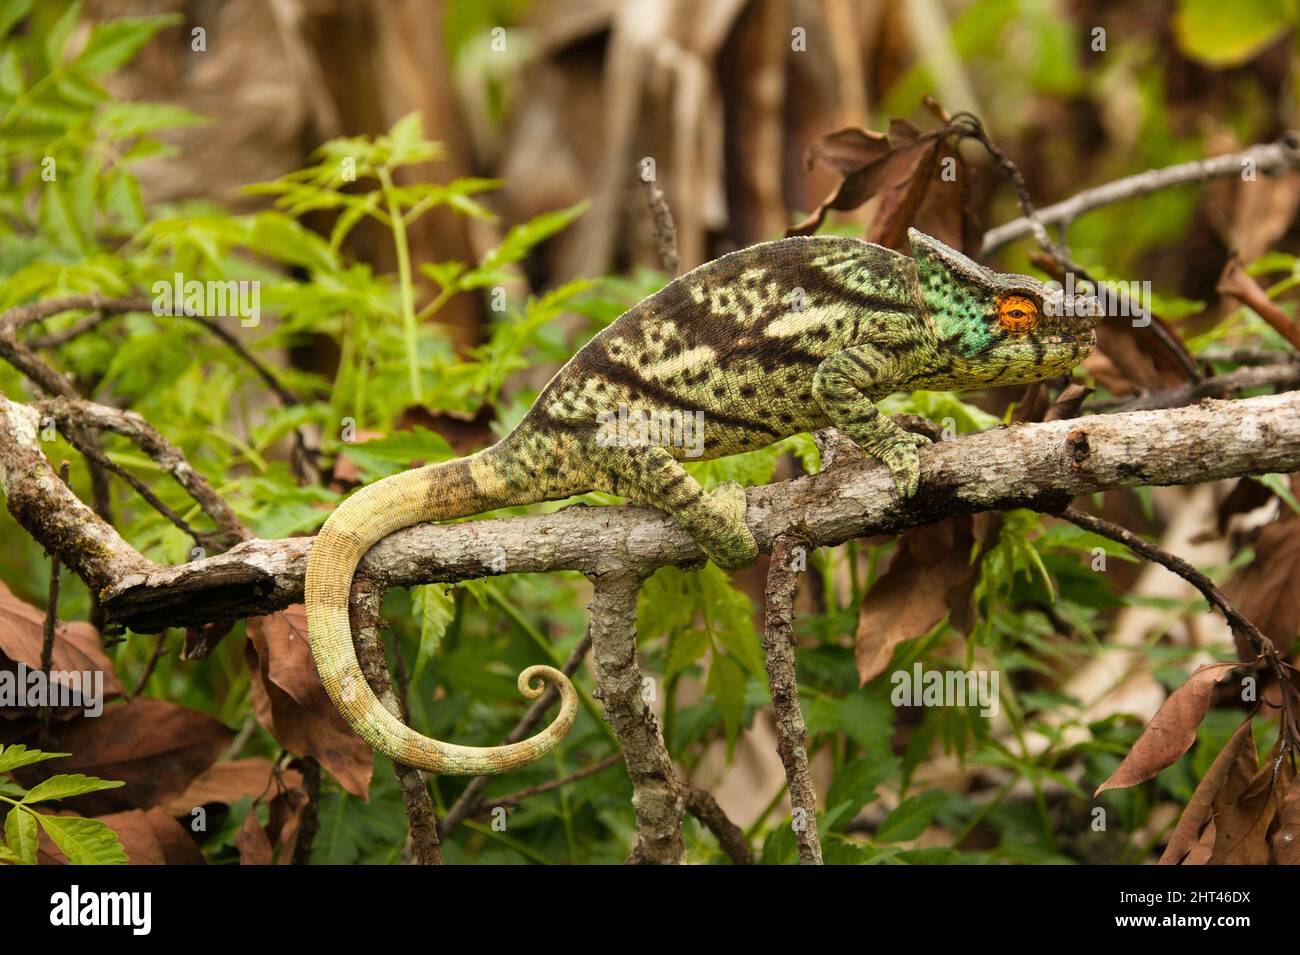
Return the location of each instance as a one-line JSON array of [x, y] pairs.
[[788, 555], [1042, 466], [657, 797], [420, 813]]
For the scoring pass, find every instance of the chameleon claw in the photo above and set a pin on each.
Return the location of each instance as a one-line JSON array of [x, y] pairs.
[[734, 546], [904, 463]]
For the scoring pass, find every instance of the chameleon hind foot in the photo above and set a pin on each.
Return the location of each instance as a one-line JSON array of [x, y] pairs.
[[730, 545]]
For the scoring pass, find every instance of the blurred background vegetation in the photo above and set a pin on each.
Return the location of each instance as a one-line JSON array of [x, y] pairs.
[[497, 146]]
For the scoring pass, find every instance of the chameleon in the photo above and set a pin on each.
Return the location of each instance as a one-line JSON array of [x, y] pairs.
[[776, 339]]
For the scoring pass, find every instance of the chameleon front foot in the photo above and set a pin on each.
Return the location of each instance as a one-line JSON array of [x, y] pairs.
[[903, 461]]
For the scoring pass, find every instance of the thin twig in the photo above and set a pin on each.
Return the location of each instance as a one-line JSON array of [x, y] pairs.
[[1237, 282], [1269, 159], [792, 731], [1286, 376], [484, 806], [149, 667], [84, 417], [309, 822], [731, 838], [665, 229], [51, 628], [22, 357], [656, 792], [93, 453], [975, 130], [1261, 644]]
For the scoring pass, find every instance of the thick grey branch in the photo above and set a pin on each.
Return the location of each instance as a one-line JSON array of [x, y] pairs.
[[1033, 465]]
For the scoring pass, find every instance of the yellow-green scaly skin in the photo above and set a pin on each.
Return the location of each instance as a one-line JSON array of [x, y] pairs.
[[774, 340]]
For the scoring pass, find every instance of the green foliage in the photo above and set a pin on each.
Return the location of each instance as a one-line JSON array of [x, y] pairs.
[[83, 841], [1038, 604], [1224, 36]]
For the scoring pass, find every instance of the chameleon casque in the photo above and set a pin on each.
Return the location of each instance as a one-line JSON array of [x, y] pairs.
[[776, 339]]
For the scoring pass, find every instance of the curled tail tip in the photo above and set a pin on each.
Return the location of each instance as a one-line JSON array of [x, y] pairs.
[[546, 674]]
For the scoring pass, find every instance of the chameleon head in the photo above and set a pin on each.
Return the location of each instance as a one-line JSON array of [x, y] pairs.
[[989, 322]]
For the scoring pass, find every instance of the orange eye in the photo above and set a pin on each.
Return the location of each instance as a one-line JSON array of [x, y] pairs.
[[1017, 314]]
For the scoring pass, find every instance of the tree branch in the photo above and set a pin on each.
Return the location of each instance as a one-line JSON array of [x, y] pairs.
[[1042, 465], [791, 730], [420, 814], [86, 415], [1269, 158], [656, 793], [731, 838]]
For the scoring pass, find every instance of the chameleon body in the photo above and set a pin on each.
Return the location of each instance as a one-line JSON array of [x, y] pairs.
[[777, 339]]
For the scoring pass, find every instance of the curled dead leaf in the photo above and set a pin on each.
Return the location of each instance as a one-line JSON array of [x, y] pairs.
[[290, 700], [919, 178], [1171, 731], [1240, 749], [77, 648], [914, 594]]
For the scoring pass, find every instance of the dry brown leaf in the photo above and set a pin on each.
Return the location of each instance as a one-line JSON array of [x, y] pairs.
[[1244, 498], [1204, 848], [913, 594], [908, 171], [1240, 746], [1268, 590], [227, 783], [157, 748], [274, 843], [1171, 731], [1238, 283], [285, 822], [1286, 840], [1138, 359], [253, 842], [1242, 819], [77, 647], [345, 471], [292, 704]]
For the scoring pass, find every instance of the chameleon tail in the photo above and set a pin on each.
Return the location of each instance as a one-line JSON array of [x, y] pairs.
[[437, 492]]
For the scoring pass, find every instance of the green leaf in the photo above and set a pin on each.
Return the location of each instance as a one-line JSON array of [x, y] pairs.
[[1279, 484], [11, 757], [520, 240], [125, 120], [436, 607], [11, 12], [72, 784], [1228, 34], [910, 818], [84, 841], [114, 42], [686, 648], [58, 219], [395, 452], [59, 33], [727, 684], [20, 835], [855, 783]]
